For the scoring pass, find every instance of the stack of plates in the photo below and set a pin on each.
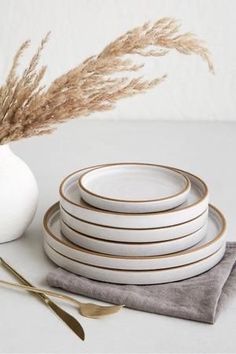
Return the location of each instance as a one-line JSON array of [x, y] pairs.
[[134, 224]]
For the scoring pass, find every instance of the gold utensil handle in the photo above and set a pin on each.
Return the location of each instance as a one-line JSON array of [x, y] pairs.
[[20, 277], [71, 322]]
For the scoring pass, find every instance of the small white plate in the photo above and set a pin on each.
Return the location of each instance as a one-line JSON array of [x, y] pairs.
[[213, 240], [136, 276], [134, 235], [72, 202], [134, 188]]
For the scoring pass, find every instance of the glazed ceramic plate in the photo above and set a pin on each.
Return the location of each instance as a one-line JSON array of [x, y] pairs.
[[134, 235], [134, 188], [133, 249], [210, 243], [72, 202], [136, 276]]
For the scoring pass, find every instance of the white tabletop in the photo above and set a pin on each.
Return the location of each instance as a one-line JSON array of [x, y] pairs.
[[205, 149]]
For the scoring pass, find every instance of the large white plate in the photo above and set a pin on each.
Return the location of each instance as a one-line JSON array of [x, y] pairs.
[[134, 235], [134, 188], [213, 240], [72, 202], [135, 276]]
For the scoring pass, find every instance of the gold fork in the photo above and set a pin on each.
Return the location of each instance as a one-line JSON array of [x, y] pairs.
[[85, 309]]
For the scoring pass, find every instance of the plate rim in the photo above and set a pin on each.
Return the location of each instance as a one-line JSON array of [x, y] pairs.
[[128, 243], [137, 270], [55, 206], [144, 201], [136, 277], [101, 211], [125, 228], [122, 234]]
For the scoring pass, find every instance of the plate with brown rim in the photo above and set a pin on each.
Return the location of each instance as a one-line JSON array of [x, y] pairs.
[[134, 188], [208, 240], [138, 277], [72, 202]]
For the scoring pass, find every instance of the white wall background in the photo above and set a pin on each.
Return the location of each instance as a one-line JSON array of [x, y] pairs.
[[83, 27]]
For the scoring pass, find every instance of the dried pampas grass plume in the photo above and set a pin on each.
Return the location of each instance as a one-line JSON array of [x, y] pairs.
[[27, 108]]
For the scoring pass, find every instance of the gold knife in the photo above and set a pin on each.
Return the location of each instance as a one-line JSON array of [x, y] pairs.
[[71, 322]]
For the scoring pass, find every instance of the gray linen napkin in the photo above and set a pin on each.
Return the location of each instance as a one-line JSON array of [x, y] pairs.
[[198, 298]]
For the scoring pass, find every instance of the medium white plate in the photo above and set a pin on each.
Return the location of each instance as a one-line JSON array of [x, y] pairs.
[[134, 235], [133, 249], [134, 188], [213, 240], [72, 202], [135, 277]]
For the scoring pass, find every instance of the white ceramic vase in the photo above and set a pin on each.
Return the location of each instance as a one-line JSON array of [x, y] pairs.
[[18, 195]]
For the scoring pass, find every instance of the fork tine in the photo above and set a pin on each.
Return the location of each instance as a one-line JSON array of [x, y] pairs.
[[94, 311]]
